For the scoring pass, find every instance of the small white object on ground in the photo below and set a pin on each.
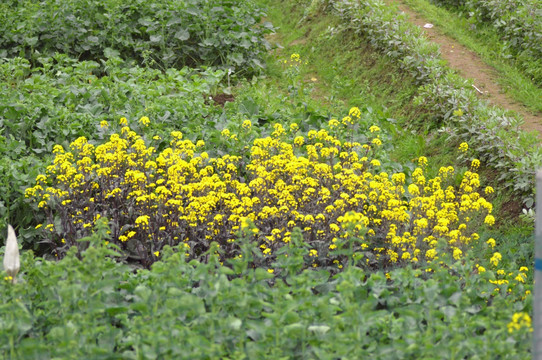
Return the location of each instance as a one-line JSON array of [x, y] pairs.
[[428, 26], [480, 91]]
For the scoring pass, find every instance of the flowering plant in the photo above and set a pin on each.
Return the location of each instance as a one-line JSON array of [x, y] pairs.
[[333, 190]]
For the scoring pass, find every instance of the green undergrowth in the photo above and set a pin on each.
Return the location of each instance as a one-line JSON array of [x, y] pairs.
[[163, 34], [96, 307]]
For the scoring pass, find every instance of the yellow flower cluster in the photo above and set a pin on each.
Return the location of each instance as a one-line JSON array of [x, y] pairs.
[[329, 188], [519, 321]]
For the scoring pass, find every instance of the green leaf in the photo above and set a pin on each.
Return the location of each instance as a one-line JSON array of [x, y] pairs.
[[182, 35], [319, 329]]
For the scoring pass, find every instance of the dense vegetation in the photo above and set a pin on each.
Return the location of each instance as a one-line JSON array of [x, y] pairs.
[[166, 223], [95, 307], [162, 33]]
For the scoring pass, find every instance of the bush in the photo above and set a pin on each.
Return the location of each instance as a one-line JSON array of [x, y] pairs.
[[169, 33]]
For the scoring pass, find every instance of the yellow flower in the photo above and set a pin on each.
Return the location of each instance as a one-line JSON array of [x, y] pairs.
[[123, 121], [458, 112], [413, 189], [313, 253], [295, 57], [523, 268], [491, 242], [464, 147], [354, 112], [247, 124], [270, 271], [156, 253], [489, 190], [376, 141], [519, 321], [422, 161], [457, 253], [104, 124], [495, 259], [490, 220], [333, 123], [374, 128], [144, 121], [245, 223]]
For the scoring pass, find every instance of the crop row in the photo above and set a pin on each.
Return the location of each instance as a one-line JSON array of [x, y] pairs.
[[161, 34], [333, 189], [96, 307]]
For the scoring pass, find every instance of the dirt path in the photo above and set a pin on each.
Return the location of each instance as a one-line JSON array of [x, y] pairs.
[[469, 65]]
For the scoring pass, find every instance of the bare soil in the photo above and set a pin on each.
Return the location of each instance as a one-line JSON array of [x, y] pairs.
[[219, 99], [469, 65]]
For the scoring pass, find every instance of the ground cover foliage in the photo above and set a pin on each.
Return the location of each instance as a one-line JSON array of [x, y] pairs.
[[163, 33], [96, 307], [274, 226]]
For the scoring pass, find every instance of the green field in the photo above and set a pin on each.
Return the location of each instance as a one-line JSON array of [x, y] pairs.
[[205, 179]]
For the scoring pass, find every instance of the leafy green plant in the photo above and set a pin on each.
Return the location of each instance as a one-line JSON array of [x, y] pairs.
[[92, 306], [161, 34]]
